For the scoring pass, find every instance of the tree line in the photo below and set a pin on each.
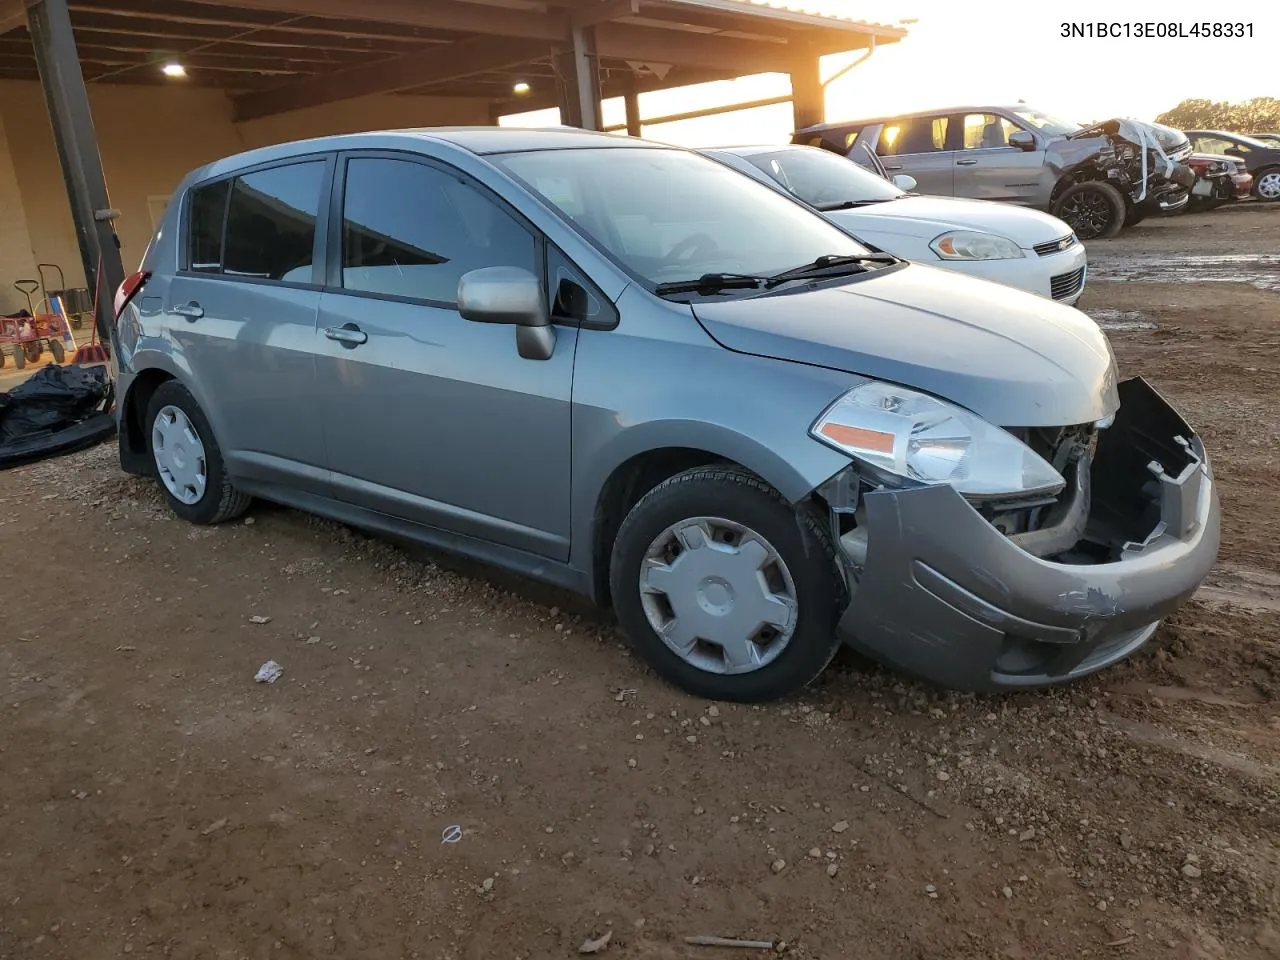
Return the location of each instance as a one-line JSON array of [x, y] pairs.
[[1259, 115]]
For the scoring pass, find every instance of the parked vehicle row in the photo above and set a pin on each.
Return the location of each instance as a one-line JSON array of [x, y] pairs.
[[1219, 179], [1261, 159], [1097, 179], [636, 372]]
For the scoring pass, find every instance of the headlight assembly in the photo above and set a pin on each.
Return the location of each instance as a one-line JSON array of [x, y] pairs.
[[970, 245], [913, 436]]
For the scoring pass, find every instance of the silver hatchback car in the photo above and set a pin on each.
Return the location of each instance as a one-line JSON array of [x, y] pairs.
[[629, 370]]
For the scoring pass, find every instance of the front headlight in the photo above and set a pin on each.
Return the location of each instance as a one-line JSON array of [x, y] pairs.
[[970, 245], [917, 437]]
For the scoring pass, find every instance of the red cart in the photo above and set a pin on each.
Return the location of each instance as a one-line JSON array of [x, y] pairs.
[[26, 333]]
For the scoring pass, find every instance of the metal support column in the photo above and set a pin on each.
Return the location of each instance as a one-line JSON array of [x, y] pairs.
[[578, 80], [631, 99], [68, 103], [808, 95]]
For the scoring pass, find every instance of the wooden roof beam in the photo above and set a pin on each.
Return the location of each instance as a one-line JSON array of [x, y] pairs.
[[457, 61]]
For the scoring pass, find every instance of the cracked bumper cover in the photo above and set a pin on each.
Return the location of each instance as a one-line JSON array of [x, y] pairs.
[[947, 597]]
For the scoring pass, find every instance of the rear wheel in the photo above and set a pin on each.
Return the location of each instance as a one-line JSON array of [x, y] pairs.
[[32, 349], [725, 588], [1093, 209], [1266, 184], [186, 459], [19, 356], [58, 351]]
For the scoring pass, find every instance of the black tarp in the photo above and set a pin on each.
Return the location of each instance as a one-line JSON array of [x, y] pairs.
[[57, 410]]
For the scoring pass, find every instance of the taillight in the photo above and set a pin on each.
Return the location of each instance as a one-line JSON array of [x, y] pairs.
[[132, 284]]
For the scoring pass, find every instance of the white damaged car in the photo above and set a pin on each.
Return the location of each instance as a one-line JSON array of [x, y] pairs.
[[1009, 244]]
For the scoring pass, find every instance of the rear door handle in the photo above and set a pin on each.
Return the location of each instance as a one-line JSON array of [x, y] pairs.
[[349, 335], [965, 163], [192, 310]]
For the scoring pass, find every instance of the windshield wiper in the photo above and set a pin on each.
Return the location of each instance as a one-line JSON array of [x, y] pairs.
[[851, 204], [831, 265], [711, 283]]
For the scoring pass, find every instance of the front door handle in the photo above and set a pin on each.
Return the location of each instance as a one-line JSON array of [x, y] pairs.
[[192, 310], [893, 166], [965, 163], [349, 335]]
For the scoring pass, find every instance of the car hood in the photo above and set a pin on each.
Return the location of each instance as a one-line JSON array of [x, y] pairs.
[[1016, 359], [928, 217]]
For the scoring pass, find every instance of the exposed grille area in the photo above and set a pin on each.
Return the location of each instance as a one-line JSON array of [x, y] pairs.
[[1066, 285], [1056, 246]]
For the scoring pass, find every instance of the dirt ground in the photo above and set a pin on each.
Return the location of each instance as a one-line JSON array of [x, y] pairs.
[[155, 801]]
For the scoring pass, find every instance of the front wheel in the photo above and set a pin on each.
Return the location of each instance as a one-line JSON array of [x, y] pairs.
[[1266, 185], [58, 350], [186, 459], [726, 589], [1093, 209]]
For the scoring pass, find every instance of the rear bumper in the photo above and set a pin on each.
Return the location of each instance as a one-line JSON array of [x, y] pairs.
[[945, 596]]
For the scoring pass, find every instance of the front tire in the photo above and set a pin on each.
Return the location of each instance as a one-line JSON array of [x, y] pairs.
[[1093, 209], [186, 460], [725, 589], [1266, 185]]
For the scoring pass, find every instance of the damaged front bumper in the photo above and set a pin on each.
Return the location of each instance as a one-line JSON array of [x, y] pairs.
[[944, 595]]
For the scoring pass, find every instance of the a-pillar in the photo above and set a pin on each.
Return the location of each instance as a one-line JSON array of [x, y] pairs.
[[808, 95], [68, 103], [578, 80]]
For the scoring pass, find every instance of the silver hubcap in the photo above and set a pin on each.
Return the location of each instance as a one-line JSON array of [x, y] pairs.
[[1269, 185], [719, 595], [179, 455]]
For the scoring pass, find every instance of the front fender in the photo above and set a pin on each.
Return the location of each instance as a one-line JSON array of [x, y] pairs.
[[637, 395]]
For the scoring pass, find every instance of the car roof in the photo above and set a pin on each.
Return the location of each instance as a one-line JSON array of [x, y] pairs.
[[940, 111], [481, 141]]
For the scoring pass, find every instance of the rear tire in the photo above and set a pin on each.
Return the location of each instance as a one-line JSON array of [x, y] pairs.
[[1266, 184], [58, 351], [1093, 209], [19, 356], [214, 499], [32, 350], [770, 554]]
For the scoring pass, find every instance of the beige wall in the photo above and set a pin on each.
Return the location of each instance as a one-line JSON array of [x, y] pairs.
[[16, 257], [149, 137]]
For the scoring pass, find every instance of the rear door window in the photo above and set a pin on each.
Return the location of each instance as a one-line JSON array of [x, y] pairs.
[[913, 135], [208, 212], [271, 223], [259, 225]]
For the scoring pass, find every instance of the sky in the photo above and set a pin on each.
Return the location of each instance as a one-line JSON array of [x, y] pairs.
[[996, 51]]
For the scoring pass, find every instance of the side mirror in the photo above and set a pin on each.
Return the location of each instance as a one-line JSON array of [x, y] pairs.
[[1022, 139], [514, 296], [904, 182]]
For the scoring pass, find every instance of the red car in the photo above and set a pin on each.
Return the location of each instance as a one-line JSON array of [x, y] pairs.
[[1219, 179]]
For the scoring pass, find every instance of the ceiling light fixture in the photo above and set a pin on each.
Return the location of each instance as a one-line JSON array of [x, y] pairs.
[[521, 88], [174, 70]]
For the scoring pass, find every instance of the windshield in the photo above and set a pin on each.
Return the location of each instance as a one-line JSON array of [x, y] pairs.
[[1050, 126], [668, 215], [822, 179]]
